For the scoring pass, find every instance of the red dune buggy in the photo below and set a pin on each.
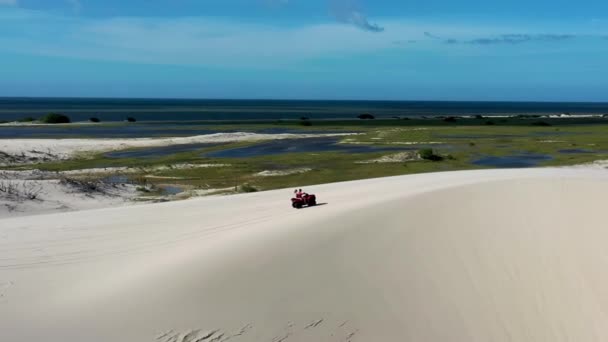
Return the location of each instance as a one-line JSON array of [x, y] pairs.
[[306, 200]]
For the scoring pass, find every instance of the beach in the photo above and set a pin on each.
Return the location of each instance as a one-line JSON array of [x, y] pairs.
[[490, 255], [303, 171]]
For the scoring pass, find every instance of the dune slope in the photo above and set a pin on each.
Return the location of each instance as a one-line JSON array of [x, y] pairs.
[[504, 255]]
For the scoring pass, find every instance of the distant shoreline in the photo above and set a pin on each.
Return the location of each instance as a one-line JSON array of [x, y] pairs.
[[266, 121], [12, 109], [96, 98]]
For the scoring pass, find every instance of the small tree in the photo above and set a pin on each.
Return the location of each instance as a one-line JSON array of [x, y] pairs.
[[541, 123], [366, 117], [94, 119], [27, 119], [131, 119], [55, 118], [429, 154], [248, 188]]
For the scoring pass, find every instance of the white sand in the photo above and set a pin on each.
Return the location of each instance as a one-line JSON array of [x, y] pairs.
[[279, 173], [506, 255], [49, 149], [128, 170], [36, 197], [597, 165], [53, 193], [401, 157]]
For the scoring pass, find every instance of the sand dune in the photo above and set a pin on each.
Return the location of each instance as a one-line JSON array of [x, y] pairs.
[[505, 255]]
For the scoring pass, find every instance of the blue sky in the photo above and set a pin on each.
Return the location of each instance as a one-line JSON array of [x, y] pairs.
[[299, 49]]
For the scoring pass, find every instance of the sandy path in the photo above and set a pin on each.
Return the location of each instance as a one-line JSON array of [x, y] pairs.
[[502, 255]]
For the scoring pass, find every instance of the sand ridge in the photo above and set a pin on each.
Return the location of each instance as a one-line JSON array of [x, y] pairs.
[[500, 255]]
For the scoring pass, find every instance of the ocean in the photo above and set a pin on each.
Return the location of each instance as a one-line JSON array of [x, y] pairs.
[[81, 109]]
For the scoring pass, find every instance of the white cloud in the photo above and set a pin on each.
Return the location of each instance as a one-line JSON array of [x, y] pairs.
[[8, 2], [348, 12], [217, 43], [192, 41], [76, 5]]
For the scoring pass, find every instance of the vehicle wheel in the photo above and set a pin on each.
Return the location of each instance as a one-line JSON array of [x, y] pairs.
[[299, 205], [312, 203]]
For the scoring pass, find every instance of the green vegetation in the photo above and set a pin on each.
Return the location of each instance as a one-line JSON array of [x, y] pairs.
[[94, 119], [541, 123], [442, 147], [131, 119], [429, 154], [55, 118], [27, 119], [248, 188], [305, 122], [366, 117], [521, 120]]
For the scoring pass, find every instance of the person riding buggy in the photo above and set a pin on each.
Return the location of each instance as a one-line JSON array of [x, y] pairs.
[[303, 199]]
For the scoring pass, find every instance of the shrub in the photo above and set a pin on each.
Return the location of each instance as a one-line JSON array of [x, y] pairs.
[[541, 123], [27, 119], [94, 120], [450, 119], [131, 119], [429, 154], [366, 117], [55, 118], [471, 144], [305, 123], [304, 118], [490, 123], [479, 117], [248, 188], [20, 192]]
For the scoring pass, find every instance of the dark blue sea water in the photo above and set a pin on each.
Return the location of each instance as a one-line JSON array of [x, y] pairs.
[[189, 110], [278, 147], [275, 147], [137, 130], [520, 160]]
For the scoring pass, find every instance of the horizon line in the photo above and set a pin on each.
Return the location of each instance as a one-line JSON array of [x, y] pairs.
[[278, 100]]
